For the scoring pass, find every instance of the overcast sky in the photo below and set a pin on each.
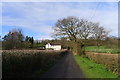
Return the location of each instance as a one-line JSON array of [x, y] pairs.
[[37, 18]]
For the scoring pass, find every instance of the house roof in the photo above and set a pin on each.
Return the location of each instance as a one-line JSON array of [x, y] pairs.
[[55, 44]]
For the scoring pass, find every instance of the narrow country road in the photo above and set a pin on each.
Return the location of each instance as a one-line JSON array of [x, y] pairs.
[[65, 68]]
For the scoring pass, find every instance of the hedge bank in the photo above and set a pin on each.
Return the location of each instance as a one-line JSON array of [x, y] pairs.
[[28, 63], [111, 61]]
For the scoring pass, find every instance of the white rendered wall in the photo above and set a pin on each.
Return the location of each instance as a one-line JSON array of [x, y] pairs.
[[55, 47], [48, 46]]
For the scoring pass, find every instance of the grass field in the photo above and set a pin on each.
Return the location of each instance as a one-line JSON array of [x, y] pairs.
[[28, 63], [93, 70], [102, 49]]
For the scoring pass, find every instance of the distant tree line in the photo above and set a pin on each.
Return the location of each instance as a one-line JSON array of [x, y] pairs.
[[16, 40]]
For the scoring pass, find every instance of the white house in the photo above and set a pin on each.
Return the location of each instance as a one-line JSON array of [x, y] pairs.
[[53, 46]]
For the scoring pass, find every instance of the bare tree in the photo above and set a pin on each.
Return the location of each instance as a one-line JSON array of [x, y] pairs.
[[77, 30], [99, 33], [68, 27], [13, 39], [86, 29], [74, 29]]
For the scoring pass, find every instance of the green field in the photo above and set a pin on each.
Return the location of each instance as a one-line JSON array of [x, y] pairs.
[[93, 70], [102, 49]]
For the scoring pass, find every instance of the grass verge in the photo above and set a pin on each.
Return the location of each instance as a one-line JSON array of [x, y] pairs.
[[93, 70]]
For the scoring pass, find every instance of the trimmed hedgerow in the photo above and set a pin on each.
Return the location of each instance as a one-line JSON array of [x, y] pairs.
[[28, 63], [111, 61]]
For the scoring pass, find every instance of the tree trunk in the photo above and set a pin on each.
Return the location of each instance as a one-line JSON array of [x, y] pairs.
[[77, 47]]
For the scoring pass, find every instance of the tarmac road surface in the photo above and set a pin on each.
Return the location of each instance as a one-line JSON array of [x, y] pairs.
[[65, 68]]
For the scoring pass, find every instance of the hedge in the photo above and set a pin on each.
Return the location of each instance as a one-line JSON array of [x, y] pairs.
[[28, 63], [111, 61]]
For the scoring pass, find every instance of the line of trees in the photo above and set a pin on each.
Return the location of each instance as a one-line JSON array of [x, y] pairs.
[[16, 40], [77, 31], [70, 32]]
